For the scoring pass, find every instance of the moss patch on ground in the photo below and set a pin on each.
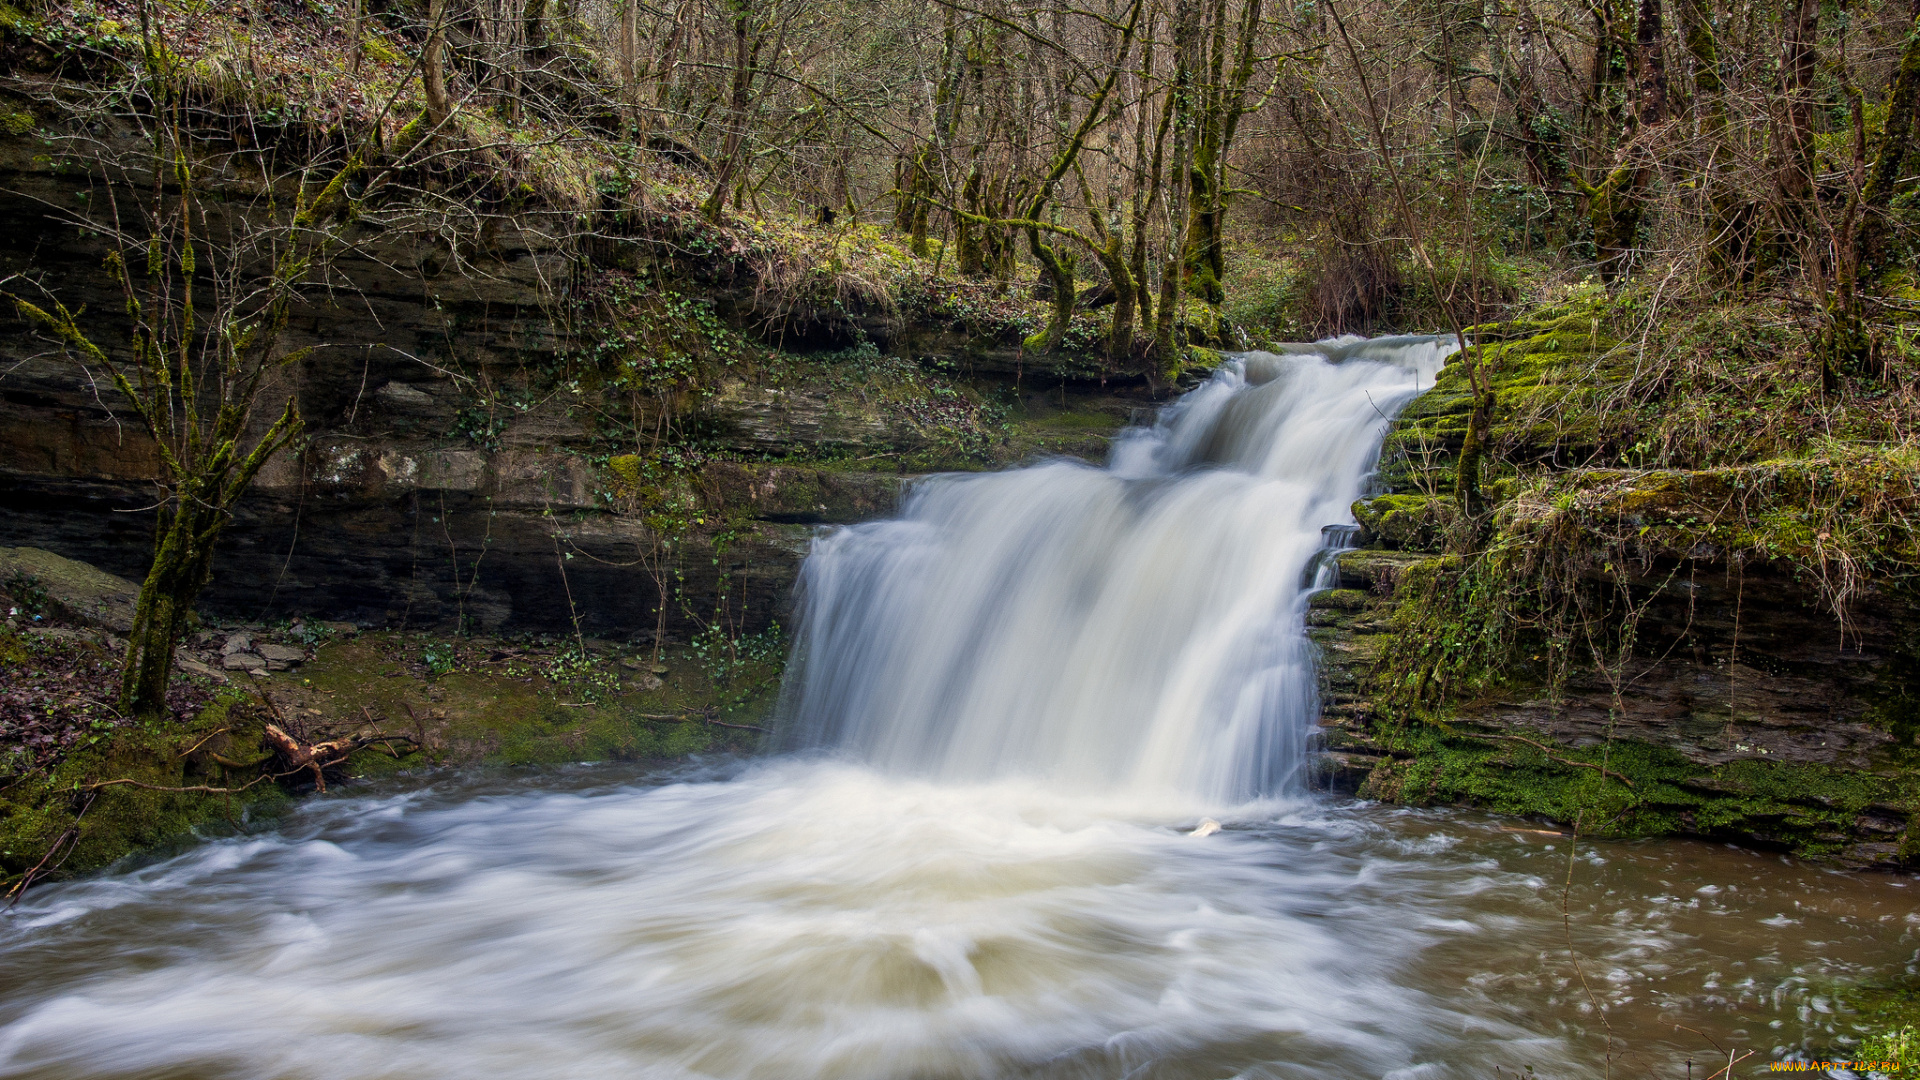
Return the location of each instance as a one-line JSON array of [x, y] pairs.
[[459, 701], [138, 788], [498, 702]]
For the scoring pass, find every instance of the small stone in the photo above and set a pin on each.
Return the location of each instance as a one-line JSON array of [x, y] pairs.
[[237, 643], [241, 661], [280, 654], [660, 669], [401, 396], [649, 682], [195, 667]]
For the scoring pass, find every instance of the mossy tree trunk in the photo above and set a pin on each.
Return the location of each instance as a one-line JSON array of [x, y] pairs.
[[1895, 146], [749, 41], [1730, 215], [1056, 268], [1222, 100], [1473, 447], [184, 538], [970, 256], [1631, 110]]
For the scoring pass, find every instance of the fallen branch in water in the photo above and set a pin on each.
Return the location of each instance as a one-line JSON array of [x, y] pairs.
[[1551, 756], [315, 757]]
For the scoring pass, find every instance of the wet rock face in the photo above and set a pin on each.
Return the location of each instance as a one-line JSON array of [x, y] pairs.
[[409, 504], [1724, 671], [405, 507], [1739, 676]]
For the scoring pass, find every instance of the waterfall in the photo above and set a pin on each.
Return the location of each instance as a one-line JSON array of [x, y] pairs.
[[1025, 691], [1134, 627]]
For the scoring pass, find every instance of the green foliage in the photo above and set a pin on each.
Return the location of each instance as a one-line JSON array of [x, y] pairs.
[[439, 659], [1890, 1007], [648, 338], [1900, 1044], [724, 656], [1266, 294], [30, 598], [481, 424]]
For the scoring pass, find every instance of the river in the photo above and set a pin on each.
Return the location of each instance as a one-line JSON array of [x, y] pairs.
[[986, 847]]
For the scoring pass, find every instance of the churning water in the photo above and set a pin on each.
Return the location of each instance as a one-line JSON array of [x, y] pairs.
[[1015, 701]]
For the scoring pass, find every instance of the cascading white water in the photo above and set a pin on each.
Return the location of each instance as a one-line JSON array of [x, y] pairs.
[[1134, 626]]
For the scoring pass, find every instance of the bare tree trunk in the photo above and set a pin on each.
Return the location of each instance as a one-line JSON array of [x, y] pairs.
[[746, 49], [1793, 122], [433, 66]]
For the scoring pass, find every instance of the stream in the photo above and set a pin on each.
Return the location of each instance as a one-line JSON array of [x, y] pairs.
[[978, 852]]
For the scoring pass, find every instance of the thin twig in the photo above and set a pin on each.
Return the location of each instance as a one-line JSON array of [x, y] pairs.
[[1551, 756]]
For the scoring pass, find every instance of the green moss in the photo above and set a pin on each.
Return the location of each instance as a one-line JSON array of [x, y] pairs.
[[378, 50], [1652, 791], [1338, 599], [1890, 1009], [536, 707], [1405, 522], [93, 825]]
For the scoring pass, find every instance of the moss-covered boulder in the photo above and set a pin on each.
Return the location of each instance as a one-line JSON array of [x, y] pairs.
[[67, 588]]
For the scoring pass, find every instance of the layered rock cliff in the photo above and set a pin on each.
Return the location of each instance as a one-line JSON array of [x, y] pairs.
[[469, 461]]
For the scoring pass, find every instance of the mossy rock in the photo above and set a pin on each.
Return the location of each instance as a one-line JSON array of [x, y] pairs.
[[1339, 599], [71, 588], [1376, 569], [1644, 790], [1405, 522]]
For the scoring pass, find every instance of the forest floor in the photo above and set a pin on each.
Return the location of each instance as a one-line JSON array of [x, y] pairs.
[[82, 786]]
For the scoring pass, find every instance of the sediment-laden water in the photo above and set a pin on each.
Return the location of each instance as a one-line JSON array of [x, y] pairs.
[[1008, 710]]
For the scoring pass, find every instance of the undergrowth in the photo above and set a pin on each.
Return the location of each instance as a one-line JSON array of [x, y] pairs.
[[1637, 446]]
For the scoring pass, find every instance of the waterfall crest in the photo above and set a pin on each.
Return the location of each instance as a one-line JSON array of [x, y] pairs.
[[1133, 627]]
